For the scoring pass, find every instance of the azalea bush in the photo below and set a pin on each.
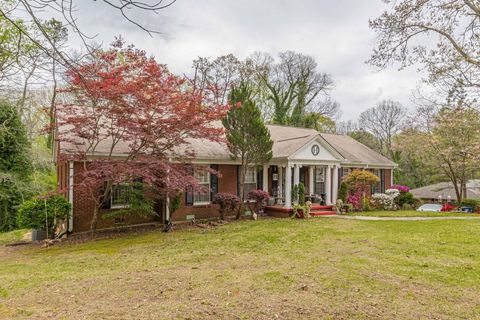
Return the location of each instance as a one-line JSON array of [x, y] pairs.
[[260, 197], [386, 201], [227, 202], [405, 198], [400, 188], [355, 200]]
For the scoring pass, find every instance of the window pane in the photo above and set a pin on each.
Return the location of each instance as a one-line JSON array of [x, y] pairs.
[[203, 178], [119, 195], [251, 175], [247, 188]]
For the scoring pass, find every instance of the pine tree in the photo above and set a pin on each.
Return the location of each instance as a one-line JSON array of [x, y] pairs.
[[248, 137]]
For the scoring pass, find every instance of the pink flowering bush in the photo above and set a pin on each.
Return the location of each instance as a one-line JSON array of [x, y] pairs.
[[355, 200], [260, 197], [400, 188], [227, 202]]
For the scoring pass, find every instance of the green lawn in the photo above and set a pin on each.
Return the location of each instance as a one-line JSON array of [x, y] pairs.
[[12, 236], [412, 213], [268, 269]]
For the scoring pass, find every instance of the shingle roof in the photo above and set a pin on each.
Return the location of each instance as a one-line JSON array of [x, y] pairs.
[[446, 189], [355, 152], [287, 140]]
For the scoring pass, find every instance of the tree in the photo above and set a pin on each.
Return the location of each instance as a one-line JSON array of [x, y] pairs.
[[248, 137], [14, 144], [15, 165], [450, 56], [384, 121], [67, 10], [125, 102], [452, 145], [295, 87], [414, 169]]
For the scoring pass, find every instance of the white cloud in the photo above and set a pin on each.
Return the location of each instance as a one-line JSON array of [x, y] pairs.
[[336, 33]]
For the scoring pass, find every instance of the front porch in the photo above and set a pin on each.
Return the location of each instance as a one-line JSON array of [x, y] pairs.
[[320, 181]]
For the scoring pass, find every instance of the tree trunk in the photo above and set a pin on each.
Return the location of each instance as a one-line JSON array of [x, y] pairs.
[[93, 224], [242, 191]]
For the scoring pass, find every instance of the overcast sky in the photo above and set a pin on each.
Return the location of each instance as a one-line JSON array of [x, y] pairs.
[[335, 32]]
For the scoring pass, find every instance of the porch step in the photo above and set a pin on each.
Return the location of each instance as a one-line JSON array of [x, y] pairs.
[[322, 213], [321, 207]]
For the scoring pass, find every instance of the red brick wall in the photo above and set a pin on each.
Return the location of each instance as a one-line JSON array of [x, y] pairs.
[[83, 208], [388, 178], [83, 205], [226, 183]]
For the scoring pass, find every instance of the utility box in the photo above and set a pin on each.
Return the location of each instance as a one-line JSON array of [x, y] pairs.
[[38, 235]]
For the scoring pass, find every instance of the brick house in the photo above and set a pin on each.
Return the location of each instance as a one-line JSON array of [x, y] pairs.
[[317, 160]]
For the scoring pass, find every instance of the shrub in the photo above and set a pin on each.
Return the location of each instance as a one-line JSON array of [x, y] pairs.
[[301, 194], [386, 201], [355, 200], [295, 193], [343, 192], [405, 198], [227, 202], [475, 204], [260, 197], [43, 212], [400, 188], [360, 180]]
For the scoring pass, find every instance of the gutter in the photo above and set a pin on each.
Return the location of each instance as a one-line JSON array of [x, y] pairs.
[[70, 195]]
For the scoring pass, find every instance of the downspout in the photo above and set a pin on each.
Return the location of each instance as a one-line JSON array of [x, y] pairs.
[[70, 195]]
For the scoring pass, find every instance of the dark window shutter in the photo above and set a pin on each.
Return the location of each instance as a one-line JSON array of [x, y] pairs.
[[213, 181], [189, 190], [382, 180], [238, 180], [260, 178], [107, 201]]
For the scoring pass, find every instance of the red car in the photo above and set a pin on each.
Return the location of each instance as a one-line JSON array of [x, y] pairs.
[[448, 207]]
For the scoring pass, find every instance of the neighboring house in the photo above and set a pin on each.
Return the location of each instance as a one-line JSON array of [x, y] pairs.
[[317, 160], [444, 191]]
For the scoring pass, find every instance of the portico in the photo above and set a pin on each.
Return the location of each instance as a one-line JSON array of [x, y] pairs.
[[314, 163]]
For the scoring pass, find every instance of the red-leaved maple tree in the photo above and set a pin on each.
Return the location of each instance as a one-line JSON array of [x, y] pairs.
[[127, 117]]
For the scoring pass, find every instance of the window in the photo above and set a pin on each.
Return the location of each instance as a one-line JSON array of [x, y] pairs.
[[119, 196], [319, 187], [202, 196], [250, 181]]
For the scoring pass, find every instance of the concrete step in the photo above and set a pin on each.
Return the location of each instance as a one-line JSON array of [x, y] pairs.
[[322, 213]]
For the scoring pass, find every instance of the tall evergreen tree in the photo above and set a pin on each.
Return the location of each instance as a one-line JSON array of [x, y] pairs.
[[15, 165], [248, 137], [14, 144]]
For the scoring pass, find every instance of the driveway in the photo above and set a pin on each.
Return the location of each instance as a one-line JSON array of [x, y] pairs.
[[368, 218]]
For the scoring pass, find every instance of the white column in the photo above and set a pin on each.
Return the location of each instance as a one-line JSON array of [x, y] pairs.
[[280, 181], [70, 195], [391, 177], [328, 186], [311, 178], [335, 184], [288, 186], [265, 177], [296, 174]]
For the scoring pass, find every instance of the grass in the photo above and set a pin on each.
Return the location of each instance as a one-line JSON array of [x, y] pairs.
[[317, 268], [12, 236], [411, 213]]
